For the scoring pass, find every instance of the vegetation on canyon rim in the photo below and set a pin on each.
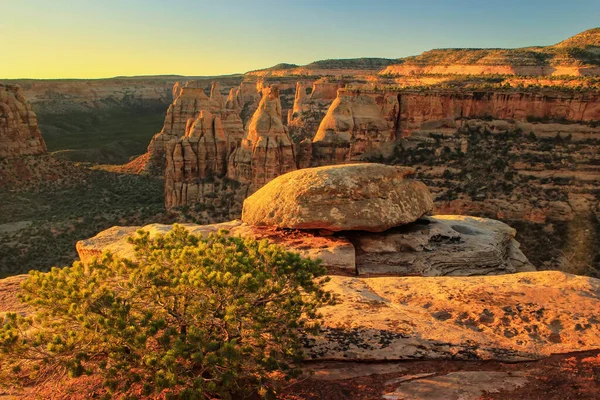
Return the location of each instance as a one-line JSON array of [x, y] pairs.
[[193, 317]]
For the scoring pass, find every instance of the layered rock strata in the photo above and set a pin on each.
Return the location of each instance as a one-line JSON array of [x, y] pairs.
[[19, 132], [188, 104], [189, 101], [433, 246], [200, 154], [443, 109]]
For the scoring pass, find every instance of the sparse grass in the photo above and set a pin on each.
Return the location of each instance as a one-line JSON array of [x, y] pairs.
[[110, 136], [62, 213]]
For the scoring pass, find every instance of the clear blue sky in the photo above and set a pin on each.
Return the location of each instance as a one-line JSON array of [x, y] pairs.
[[101, 38]]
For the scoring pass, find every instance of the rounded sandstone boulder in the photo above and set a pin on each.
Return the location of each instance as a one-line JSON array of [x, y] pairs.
[[368, 197]]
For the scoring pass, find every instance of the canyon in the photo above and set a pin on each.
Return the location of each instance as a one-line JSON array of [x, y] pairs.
[[521, 147], [453, 197]]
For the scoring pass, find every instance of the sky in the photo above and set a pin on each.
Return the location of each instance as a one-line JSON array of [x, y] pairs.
[[105, 38]]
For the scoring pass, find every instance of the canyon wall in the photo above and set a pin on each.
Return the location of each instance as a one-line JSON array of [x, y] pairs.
[[19, 132]]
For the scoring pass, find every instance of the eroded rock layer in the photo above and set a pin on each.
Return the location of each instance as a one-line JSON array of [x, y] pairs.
[[188, 104], [19, 133], [433, 246]]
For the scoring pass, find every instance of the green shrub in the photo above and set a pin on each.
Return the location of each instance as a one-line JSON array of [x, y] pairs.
[[193, 317]]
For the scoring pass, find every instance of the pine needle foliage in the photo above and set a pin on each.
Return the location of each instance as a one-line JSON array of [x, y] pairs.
[[190, 317]]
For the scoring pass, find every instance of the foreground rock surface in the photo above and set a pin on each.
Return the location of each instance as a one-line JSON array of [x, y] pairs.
[[434, 246], [508, 318], [368, 197]]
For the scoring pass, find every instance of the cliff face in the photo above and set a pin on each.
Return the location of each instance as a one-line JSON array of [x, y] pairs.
[[576, 56], [59, 96], [465, 69], [19, 133], [421, 108]]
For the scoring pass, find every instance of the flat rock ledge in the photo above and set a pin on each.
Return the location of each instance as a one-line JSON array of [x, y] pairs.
[[512, 317], [432, 246]]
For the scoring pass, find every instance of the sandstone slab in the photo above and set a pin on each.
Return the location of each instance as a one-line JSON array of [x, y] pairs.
[[337, 254], [508, 318], [369, 197], [433, 246], [441, 245]]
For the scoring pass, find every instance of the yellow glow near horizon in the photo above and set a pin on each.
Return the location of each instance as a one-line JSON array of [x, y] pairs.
[[96, 39]]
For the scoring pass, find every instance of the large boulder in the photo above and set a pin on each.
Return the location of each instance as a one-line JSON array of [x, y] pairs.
[[368, 197]]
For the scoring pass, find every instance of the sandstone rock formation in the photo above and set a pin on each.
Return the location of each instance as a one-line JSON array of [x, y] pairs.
[[187, 105], [357, 125], [438, 246], [443, 109], [369, 197], [310, 106], [267, 151], [201, 154], [19, 132], [576, 56]]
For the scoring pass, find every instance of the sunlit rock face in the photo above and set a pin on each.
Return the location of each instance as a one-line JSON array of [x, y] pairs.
[[267, 150], [187, 105], [357, 125], [200, 154], [340, 198], [19, 132], [511, 317], [311, 102], [432, 246], [446, 108]]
